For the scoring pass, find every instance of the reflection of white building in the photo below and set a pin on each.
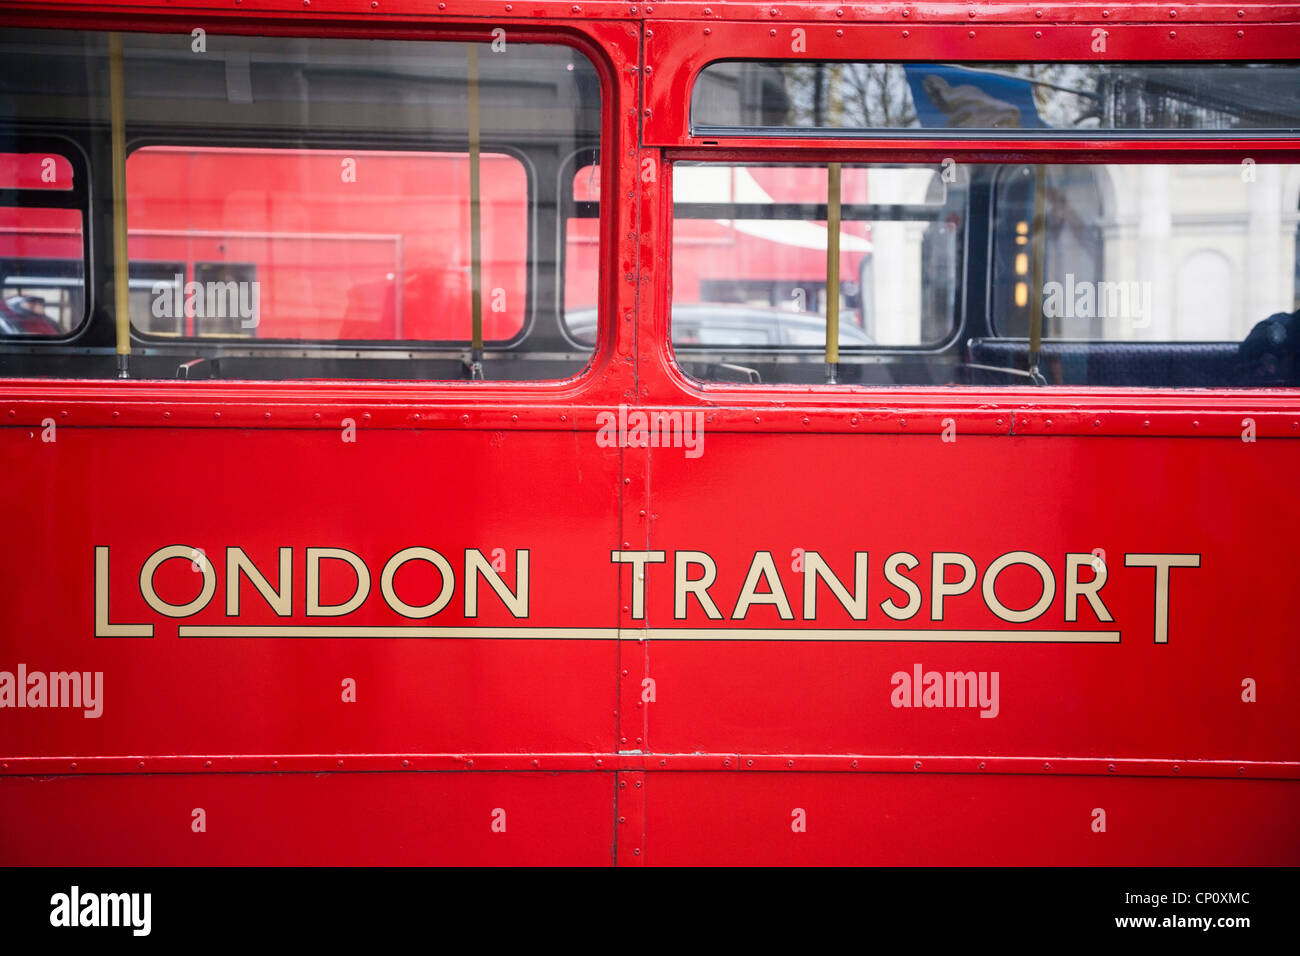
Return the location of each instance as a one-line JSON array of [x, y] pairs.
[[1217, 244]]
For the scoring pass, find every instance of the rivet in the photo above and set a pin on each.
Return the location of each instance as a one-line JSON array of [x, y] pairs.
[[316, 416], [642, 515], [216, 414], [805, 419], [509, 8], [905, 33], [1024, 423], [853, 421], [637, 851], [902, 423], [12, 413], [464, 418], [1172, 35], [1047, 766], [275, 763], [981, 764], [1173, 13], [1110, 768], [638, 740], [855, 764], [999, 423], [469, 763], [749, 763], [373, 4], [340, 763], [707, 31], [789, 763], [1105, 13], [1241, 13], [622, 740], [917, 765], [906, 14], [415, 417], [1096, 423], [1241, 770], [1048, 423], [1147, 423], [1038, 34], [971, 14], [708, 12], [140, 765], [63, 414], [1240, 34], [74, 765], [663, 763], [971, 34], [115, 414], [207, 763], [599, 762], [267, 415], [577, 9], [627, 481], [638, 784], [406, 763], [756, 419], [1196, 424], [771, 33], [442, 6], [625, 669], [839, 33], [1175, 768], [773, 11], [564, 418], [167, 414], [537, 763], [622, 819]]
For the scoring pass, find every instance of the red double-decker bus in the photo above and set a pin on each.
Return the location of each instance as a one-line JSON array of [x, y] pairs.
[[610, 434]]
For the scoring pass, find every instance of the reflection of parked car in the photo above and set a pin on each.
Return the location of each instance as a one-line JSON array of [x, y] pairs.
[[25, 315], [735, 326]]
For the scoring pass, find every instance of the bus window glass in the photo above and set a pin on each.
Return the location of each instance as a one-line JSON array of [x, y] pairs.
[[750, 258], [731, 97], [327, 245], [42, 276], [308, 207], [581, 251], [1084, 274]]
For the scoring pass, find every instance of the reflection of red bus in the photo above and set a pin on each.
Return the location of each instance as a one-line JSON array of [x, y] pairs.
[[343, 245]]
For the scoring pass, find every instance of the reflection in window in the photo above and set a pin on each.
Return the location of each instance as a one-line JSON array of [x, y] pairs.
[[733, 95], [749, 247], [1146, 253]]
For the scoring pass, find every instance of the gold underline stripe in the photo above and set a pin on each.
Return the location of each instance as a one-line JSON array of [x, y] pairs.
[[930, 635]]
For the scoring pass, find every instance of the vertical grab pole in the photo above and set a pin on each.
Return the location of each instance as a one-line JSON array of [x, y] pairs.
[[475, 224], [1039, 233], [832, 270], [121, 271]]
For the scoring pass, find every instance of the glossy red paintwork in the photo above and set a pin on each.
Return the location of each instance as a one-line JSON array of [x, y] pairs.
[[740, 733]]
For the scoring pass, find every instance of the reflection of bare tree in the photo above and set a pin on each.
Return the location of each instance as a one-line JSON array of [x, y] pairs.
[[865, 95]]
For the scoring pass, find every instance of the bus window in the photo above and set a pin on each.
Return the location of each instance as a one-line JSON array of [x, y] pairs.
[[582, 247], [299, 208], [327, 245], [42, 247], [735, 97], [750, 263]]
